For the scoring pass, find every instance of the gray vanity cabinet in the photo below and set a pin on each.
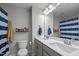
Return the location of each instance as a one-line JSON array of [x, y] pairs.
[[38, 48], [48, 51], [43, 50]]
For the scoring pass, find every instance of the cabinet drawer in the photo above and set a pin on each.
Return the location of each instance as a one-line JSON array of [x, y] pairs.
[[38, 48], [49, 51]]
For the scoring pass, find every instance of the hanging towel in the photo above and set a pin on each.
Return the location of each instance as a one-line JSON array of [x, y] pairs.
[[49, 30], [39, 30], [10, 31]]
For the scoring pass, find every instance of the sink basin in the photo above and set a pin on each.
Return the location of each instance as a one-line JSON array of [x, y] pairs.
[[75, 43], [64, 47]]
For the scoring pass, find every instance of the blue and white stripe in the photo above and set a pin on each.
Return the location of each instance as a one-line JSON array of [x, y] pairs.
[[3, 32], [4, 46], [69, 20], [3, 15], [69, 28]]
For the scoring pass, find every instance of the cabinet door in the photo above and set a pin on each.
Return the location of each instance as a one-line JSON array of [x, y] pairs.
[[39, 51], [49, 51], [44, 53], [38, 48]]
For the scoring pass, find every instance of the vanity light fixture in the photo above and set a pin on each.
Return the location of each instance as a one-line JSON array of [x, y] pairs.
[[50, 8], [45, 12]]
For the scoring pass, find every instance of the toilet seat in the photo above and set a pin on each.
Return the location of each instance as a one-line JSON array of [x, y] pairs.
[[22, 52]]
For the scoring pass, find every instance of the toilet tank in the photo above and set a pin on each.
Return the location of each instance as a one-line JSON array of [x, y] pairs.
[[22, 44]]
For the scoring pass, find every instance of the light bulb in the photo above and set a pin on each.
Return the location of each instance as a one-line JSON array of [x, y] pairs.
[[44, 12], [50, 6], [46, 9]]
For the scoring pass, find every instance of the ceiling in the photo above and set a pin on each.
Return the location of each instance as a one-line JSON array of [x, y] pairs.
[[28, 5], [64, 10]]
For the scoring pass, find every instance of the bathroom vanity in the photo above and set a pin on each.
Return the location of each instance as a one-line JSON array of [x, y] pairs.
[[55, 47], [43, 50]]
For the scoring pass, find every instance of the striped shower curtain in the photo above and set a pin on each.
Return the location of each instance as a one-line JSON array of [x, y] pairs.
[[4, 47], [69, 28]]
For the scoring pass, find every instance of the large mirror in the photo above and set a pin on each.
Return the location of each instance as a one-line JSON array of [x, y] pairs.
[[64, 21]]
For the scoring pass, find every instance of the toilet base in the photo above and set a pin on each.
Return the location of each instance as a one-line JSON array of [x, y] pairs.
[[22, 52]]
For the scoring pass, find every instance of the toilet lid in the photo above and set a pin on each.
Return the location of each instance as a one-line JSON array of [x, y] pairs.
[[22, 52]]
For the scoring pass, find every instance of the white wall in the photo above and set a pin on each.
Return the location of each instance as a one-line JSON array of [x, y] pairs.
[[56, 25], [38, 19], [48, 22], [20, 17]]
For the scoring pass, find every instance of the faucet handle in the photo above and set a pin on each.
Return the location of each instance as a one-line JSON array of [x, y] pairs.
[[67, 41]]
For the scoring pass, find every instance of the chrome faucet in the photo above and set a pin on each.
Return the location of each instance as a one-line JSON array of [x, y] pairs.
[[67, 41], [46, 37]]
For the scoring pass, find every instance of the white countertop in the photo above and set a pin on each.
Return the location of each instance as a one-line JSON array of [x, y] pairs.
[[57, 49]]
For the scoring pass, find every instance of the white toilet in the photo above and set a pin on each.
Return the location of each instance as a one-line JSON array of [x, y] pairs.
[[22, 48]]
